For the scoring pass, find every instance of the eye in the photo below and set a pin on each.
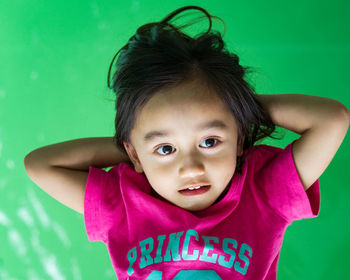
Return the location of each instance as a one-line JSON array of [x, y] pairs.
[[165, 148]]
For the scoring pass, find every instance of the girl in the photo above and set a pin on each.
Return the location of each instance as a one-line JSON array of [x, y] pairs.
[[190, 194]]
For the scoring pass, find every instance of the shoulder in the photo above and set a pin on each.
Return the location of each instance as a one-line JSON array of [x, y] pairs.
[[263, 152], [262, 157]]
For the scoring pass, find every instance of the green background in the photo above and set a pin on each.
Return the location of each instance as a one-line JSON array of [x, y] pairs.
[[54, 62]]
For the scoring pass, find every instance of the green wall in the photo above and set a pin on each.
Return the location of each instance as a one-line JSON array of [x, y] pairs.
[[54, 62]]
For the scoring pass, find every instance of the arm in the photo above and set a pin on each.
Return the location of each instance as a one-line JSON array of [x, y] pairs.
[[61, 170], [80, 153], [322, 124]]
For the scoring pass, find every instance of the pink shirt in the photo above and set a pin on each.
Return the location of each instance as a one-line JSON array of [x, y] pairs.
[[239, 237]]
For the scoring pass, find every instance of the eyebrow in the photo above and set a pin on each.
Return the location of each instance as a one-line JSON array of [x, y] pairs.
[[205, 126]]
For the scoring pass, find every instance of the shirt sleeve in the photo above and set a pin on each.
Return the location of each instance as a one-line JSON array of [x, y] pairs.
[[101, 201], [281, 186]]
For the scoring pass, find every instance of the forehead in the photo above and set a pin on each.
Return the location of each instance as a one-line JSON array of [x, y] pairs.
[[183, 106], [177, 99]]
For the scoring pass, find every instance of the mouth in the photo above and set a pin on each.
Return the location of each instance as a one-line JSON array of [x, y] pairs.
[[196, 190]]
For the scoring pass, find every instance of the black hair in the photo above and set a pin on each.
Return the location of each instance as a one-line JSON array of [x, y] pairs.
[[161, 55]]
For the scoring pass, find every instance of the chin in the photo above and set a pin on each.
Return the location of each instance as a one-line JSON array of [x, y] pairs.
[[196, 208]]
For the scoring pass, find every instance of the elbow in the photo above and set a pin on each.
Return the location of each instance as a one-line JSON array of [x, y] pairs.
[[340, 114], [27, 159], [343, 116], [27, 162], [345, 113], [342, 111]]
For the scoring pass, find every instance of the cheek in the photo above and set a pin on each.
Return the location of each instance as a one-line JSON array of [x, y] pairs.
[[159, 177], [223, 168], [224, 160], [160, 168]]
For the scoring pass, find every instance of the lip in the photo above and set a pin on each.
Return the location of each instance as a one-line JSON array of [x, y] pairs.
[[195, 192], [194, 185]]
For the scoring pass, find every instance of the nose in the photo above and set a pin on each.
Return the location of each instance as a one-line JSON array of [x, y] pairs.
[[191, 167]]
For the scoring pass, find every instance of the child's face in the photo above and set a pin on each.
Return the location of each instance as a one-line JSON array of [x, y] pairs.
[[188, 155]]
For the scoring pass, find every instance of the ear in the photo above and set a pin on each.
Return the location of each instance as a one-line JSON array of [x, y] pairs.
[[133, 156], [240, 146]]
